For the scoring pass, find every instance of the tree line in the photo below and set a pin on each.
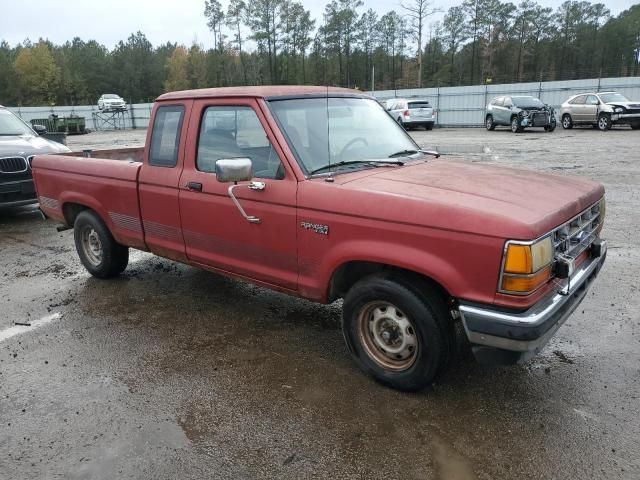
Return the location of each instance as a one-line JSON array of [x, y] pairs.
[[278, 42]]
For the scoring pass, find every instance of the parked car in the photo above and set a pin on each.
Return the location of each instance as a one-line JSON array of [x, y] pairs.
[[319, 193], [412, 113], [519, 112], [600, 109], [19, 142], [110, 102]]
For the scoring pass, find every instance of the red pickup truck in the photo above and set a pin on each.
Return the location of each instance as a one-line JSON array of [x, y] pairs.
[[319, 193]]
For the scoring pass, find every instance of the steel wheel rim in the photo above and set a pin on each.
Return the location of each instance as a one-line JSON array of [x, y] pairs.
[[387, 336], [514, 125], [91, 245], [566, 122], [603, 123], [489, 122]]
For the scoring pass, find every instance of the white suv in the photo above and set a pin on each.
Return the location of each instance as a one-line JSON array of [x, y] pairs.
[[412, 112], [110, 102]]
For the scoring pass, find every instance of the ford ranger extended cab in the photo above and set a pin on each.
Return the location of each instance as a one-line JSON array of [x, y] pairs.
[[319, 193]]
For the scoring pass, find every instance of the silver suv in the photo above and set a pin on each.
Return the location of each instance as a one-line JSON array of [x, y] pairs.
[[412, 113], [519, 112], [600, 109]]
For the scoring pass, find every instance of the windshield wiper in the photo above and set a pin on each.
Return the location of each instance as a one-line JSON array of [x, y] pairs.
[[352, 162], [404, 153]]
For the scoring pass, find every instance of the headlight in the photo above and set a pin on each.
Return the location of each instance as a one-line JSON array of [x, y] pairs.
[[618, 109], [526, 266]]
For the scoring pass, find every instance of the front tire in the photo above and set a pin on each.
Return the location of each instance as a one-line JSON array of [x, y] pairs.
[[489, 123], [515, 125], [100, 254], [604, 122], [635, 126], [551, 127], [394, 333], [567, 122]]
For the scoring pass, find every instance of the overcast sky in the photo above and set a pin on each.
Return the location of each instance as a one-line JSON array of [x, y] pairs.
[[182, 21]]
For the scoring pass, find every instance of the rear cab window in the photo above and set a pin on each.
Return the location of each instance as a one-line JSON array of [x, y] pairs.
[[165, 136]]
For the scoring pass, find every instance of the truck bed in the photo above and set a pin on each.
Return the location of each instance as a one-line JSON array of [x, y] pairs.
[[106, 182]]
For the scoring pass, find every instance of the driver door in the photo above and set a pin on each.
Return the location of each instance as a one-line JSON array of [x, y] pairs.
[[216, 234]]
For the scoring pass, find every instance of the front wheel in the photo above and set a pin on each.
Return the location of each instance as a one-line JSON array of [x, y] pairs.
[[604, 122], [551, 127], [515, 125], [100, 254], [394, 333], [635, 126], [567, 123]]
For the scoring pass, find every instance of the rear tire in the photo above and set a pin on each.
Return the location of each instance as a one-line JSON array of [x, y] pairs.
[[490, 126], [400, 123], [100, 254], [567, 122], [635, 126], [428, 126], [394, 333]]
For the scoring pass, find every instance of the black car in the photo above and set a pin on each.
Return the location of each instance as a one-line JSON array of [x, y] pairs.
[[18, 144]]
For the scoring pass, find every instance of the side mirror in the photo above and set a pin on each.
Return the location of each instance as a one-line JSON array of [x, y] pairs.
[[234, 170], [40, 129]]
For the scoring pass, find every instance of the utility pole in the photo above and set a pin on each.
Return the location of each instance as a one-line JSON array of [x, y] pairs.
[[373, 79]]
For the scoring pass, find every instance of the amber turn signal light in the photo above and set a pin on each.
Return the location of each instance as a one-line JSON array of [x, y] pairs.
[[525, 283]]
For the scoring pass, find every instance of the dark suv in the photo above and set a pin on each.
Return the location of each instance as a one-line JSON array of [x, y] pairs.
[[18, 144]]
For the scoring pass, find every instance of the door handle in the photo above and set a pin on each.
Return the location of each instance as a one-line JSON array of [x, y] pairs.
[[194, 186]]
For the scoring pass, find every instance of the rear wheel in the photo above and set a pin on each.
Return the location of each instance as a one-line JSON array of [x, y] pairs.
[[604, 122], [489, 123], [100, 254], [567, 122], [400, 123], [428, 126], [635, 126], [394, 333]]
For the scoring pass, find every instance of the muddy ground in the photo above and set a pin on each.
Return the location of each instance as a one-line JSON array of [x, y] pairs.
[[172, 372]]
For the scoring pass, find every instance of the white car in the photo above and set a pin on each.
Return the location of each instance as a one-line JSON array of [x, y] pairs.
[[411, 113], [110, 102]]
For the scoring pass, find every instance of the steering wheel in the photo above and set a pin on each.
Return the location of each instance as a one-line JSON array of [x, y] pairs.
[[351, 143]]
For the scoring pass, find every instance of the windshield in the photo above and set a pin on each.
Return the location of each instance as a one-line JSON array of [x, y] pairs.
[[12, 125], [613, 97], [324, 131], [526, 102], [110, 96]]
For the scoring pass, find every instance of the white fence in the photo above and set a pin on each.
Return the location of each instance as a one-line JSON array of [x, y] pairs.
[[136, 116], [465, 106], [456, 106]]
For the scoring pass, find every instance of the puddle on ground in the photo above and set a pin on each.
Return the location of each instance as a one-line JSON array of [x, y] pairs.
[[449, 463]]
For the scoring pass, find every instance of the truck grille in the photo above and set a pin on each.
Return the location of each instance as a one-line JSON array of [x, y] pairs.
[[13, 165], [575, 236]]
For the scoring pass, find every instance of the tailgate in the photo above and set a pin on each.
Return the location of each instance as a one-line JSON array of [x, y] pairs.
[[109, 187]]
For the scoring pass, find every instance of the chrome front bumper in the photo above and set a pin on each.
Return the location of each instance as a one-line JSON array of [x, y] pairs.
[[525, 333]]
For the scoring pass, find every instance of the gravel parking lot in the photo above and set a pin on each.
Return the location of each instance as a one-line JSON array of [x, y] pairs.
[[173, 372]]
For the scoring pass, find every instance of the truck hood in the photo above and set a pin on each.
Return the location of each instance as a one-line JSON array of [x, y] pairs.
[[482, 199], [26, 145]]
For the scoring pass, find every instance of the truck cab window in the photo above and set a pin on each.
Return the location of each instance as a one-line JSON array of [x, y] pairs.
[[165, 137], [234, 132]]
